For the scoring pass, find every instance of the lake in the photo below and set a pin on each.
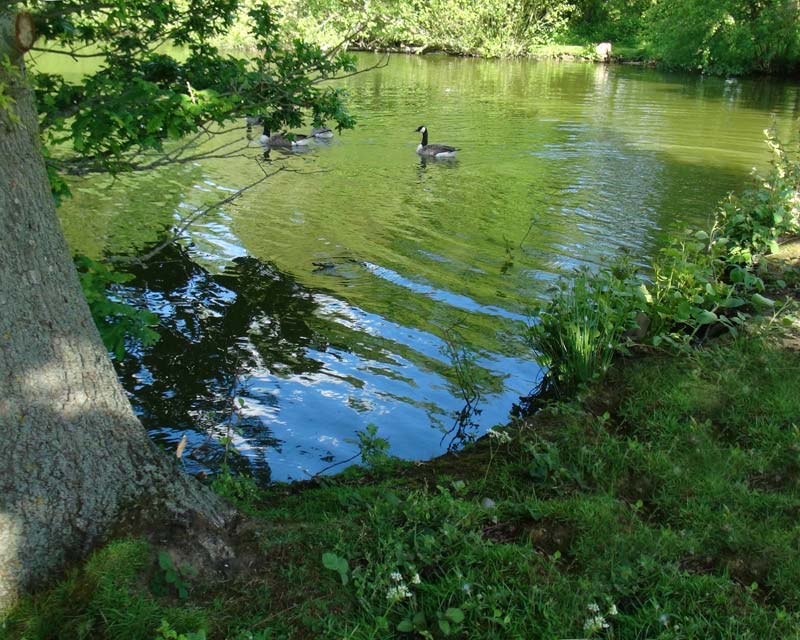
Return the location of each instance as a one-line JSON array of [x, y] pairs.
[[362, 285]]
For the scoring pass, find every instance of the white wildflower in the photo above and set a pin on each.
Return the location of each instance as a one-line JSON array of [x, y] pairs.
[[503, 437], [664, 619], [415, 579], [612, 610], [466, 587], [398, 592], [593, 607], [595, 624], [396, 576]]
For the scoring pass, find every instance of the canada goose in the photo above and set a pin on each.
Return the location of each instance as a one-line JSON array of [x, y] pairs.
[[250, 120], [321, 132], [279, 140], [433, 150]]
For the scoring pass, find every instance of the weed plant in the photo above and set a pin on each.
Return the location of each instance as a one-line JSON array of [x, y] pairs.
[[578, 332], [702, 285]]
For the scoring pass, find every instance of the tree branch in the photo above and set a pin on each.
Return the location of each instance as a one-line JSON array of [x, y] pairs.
[[78, 8], [72, 54], [383, 62], [190, 220], [176, 158]]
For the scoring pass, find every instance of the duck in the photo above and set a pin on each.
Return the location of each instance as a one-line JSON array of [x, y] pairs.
[[321, 132], [433, 150]]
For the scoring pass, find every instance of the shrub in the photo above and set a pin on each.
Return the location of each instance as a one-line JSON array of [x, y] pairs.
[[726, 36], [752, 223]]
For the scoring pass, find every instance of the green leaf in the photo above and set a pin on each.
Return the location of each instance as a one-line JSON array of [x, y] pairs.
[[761, 301], [405, 626], [706, 317], [331, 561], [656, 340], [454, 615], [732, 303], [444, 625], [336, 563]]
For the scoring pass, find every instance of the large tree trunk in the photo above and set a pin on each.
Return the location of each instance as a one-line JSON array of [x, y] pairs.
[[74, 459]]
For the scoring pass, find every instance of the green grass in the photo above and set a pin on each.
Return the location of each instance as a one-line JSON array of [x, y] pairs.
[[673, 495]]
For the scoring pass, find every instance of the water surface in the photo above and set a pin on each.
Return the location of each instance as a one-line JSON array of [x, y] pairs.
[[336, 294]]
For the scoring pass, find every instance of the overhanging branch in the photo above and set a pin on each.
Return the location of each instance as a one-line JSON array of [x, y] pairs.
[[178, 231]]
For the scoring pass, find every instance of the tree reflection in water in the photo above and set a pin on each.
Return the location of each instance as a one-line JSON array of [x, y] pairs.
[[215, 328]]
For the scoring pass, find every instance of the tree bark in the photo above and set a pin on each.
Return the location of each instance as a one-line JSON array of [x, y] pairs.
[[74, 459]]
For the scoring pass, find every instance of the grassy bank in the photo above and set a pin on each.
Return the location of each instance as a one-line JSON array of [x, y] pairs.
[[665, 505]]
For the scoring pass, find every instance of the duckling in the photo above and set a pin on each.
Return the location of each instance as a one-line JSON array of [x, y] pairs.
[[433, 150], [321, 132], [279, 140]]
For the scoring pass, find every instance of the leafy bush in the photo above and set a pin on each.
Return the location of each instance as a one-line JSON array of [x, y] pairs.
[[726, 36], [609, 20], [374, 450], [484, 27], [752, 223], [688, 293]]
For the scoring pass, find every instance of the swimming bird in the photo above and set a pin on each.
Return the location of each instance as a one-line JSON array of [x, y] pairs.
[[321, 132], [433, 150], [251, 120], [279, 140]]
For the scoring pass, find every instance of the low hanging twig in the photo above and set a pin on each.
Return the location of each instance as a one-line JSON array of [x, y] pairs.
[[383, 62], [332, 466], [71, 53], [190, 220], [205, 155]]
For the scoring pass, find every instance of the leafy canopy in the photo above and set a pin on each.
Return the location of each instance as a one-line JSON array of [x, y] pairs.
[[160, 78], [726, 36]]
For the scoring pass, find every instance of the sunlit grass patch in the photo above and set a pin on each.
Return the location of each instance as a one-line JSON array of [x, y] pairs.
[[107, 597]]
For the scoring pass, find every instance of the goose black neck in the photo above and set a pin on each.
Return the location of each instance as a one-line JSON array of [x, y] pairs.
[[266, 130], [425, 138]]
